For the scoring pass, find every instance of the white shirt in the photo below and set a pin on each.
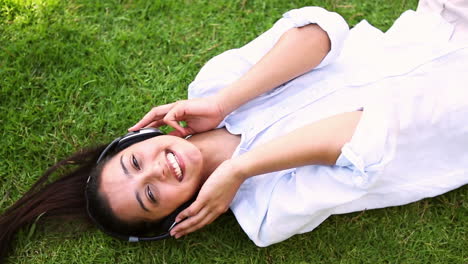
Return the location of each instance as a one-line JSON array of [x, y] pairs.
[[412, 139]]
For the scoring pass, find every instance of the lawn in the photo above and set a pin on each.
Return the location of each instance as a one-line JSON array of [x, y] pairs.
[[79, 72]]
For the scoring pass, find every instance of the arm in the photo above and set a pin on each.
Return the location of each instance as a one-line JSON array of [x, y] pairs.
[[299, 50], [317, 143]]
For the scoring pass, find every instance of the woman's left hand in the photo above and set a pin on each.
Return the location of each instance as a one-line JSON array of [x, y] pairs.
[[214, 199]]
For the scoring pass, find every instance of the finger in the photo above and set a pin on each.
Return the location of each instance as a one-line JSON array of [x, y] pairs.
[[206, 220], [154, 114], [175, 133], [189, 131], [192, 210], [189, 224], [172, 119], [156, 124]]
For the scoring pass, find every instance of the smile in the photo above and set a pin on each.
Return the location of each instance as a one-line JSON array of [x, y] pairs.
[[175, 166]]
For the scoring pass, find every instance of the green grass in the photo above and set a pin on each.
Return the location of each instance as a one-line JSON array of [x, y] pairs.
[[75, 73]]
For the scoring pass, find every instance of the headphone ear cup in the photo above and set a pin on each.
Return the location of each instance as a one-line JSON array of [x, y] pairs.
[[169, 220]]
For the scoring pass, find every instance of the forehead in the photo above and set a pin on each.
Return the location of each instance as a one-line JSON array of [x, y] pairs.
[[116, 186], [120, 191]]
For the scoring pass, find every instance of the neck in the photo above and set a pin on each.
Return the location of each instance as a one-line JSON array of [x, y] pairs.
[[215, 146]]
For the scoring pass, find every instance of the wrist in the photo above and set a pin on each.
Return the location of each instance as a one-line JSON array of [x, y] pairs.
[[222, 105], [230, 98], [240, 168]]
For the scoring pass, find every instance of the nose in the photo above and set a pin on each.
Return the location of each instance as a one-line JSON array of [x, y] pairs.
[[156, 171]]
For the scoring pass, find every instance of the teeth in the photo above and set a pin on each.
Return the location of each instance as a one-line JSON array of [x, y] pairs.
[[173, 161]]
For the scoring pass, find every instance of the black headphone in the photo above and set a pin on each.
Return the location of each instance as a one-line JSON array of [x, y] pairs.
[[117, 145]]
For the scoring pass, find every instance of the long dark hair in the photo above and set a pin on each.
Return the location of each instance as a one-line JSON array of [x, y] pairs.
[[62, 197]]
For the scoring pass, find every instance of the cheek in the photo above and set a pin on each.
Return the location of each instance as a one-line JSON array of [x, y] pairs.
[[176, 196]]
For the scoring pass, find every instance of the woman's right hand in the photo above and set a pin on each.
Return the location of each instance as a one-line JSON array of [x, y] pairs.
[[200, 114], [214, 199]]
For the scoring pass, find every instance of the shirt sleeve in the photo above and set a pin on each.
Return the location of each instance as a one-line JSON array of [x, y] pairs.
[[227, 67], [371, 147], [331, 22]]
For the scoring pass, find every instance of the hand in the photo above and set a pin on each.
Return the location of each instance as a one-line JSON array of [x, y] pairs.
[[214, 198], [200, 114]]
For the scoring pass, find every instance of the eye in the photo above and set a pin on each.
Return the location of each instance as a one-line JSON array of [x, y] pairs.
[[135, 163], [150, 194]]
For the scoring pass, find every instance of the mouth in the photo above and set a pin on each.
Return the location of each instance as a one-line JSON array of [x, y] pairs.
[[176, 165]]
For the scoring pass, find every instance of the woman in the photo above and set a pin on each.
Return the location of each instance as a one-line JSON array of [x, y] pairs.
[[376, 114], [363, 117], [124, 179]]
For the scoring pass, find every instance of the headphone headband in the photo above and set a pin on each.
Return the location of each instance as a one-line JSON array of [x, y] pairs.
[[130, 138]]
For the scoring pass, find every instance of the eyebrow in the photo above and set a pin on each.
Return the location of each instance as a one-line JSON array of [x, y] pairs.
[[141, 202], [137, 195], [123, 167]]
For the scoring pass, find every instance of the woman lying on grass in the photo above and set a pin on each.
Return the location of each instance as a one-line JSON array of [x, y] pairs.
[[308, 120]]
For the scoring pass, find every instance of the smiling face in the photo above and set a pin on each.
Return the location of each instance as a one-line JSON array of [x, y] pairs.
[[150, 179]]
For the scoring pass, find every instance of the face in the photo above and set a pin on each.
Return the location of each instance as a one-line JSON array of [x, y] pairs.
[[150, 179]]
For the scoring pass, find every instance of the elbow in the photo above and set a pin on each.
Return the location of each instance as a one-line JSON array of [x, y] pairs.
[[316, 37], [311, 36], [311, 43]]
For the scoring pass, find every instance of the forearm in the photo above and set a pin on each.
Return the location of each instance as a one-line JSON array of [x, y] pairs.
[[298, 51], [317, 143]]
